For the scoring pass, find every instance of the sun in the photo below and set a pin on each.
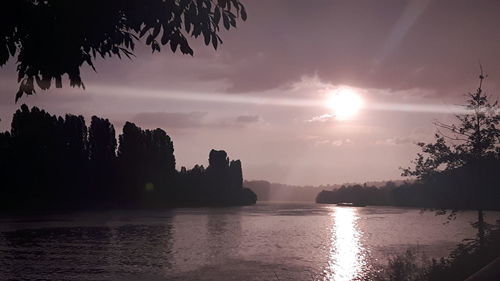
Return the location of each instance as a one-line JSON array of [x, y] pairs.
[[345, 103]]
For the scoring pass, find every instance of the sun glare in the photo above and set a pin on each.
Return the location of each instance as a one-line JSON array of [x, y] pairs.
[[345, 103]]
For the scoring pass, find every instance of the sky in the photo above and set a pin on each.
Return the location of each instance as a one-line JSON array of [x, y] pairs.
[[263, 96]]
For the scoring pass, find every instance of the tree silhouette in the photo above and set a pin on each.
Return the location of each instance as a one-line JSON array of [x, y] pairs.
[[5, 165], [102, 157], [147, 160], [52, 151], [102, 140], [463, 155], [52, 38], [71, 166], [160, 161], [33, 144], [132, 161], [236, 174], [72, 151], [217, 170]]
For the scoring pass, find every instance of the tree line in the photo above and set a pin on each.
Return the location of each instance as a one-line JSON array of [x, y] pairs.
[[272, 191], [446, 192], [54, 162]]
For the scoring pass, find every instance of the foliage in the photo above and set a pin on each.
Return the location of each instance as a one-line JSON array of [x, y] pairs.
[[464, 151], [52, 38], [466, 259], [405, 267], [267, 191], [446, 192], [71, 167], [475, 138]]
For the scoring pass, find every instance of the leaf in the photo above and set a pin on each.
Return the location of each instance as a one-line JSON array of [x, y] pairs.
[[58, 81], [232, 19], [223, 3], [156, 30], [12, 48], [88, 59], [185, 49], [173, 45], [19, 94], [187, 22], [43, 83], [149, 40], [143, 31], [217, 15], [225, 20], [29, 85], [243, 13], [165, 37], [206, 36], [26, 87], [197, 30], [155, 46], [215, 40]]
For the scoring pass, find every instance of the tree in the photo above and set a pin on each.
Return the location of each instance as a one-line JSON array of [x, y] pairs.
[[464, 156], [52, 38], [147, 161], [102, 140], [236, 174], [72, 153], [102, 156], [5, 168], [71, 166], [132, 162], [160, 158]]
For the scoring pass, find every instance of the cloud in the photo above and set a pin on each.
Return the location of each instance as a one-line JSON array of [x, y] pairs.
[[170, 120], [386, 44], [322, 118], [332, 142], [247, 118], [397, 141], [389, 44], [188, 120]]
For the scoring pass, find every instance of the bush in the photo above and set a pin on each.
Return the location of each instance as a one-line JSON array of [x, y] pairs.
[[466, 259]]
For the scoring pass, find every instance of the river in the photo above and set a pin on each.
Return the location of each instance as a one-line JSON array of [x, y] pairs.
[[267, 241]]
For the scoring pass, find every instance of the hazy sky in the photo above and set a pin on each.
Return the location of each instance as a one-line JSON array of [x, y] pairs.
[[262, 95]]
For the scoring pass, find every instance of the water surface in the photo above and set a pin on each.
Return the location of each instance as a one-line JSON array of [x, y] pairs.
[[294, 241]]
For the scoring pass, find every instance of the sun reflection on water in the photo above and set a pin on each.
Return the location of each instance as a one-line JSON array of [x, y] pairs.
[[346, 259]]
